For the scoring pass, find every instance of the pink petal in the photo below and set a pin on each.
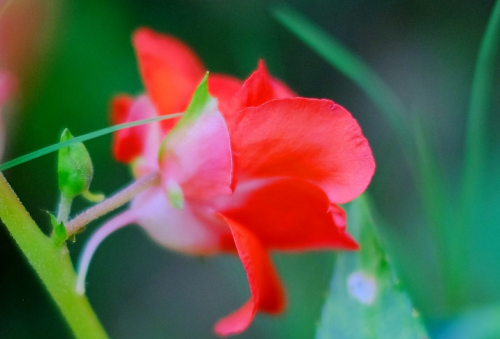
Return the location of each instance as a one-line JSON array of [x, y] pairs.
[[197, 156], [194, 229]]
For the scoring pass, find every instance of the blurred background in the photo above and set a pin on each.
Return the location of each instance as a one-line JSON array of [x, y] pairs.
[[71, 57]]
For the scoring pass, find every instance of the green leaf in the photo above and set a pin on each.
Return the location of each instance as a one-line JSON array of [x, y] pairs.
[[59, 234], [366, 300], [74, 168], [200, 103], [479, 323]]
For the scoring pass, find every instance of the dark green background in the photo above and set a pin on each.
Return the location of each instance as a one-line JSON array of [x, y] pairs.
[[424, 49]]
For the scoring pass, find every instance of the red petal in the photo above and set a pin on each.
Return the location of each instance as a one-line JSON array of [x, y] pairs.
[[289, 214], [281, 91], [120, 106], [130, 143], [311, 139], [170, 71], [265, 287], [256, 90], [223, 88]]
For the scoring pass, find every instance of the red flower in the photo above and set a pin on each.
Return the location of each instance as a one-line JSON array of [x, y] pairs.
[[256, 171]]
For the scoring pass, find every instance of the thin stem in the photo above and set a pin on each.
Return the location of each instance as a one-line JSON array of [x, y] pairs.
[[52, 265], [64, 209], [114, 224], [82, 138], [112, 203]]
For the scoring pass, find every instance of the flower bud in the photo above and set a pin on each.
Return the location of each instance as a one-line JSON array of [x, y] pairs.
[[74, 168]]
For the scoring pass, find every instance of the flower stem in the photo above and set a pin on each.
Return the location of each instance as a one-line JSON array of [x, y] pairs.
[[52, 265], [102, 233], [64, 209], [112, 203]]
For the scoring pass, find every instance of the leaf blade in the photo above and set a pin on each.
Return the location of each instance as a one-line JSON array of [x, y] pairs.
[[366, 300]]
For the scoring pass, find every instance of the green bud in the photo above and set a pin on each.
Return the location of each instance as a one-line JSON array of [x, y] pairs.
[[74, 168]]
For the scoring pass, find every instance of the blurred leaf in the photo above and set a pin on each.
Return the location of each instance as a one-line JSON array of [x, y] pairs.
[[482, 92], [366, 300], [437, 202], [481, 323], [353, 67]]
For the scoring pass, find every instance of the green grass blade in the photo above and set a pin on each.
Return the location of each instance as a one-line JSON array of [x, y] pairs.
[[81, 138], [437, 205], [479, 105], [349, 64], [475, 162]]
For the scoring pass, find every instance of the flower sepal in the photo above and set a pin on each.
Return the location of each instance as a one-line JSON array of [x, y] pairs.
[[59, 233], [74, 168]]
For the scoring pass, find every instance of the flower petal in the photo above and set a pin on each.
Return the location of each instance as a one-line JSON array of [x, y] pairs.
[[223, 88], [139, 141], [256, 90], [170, 71], [196, 155], [265, 287], [288, 214], [311, 139], [120, 107], [281, 91], [193, 229]]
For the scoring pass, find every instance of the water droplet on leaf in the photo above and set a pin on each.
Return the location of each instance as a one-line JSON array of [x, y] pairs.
[[362, 286]]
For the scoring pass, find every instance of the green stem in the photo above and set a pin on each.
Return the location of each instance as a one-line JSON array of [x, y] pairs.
[[64, 209], [52, 265]]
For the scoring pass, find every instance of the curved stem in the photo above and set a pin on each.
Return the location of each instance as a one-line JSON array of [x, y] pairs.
[[82, 138], [114, 224], [113, 202], [52, 264]]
